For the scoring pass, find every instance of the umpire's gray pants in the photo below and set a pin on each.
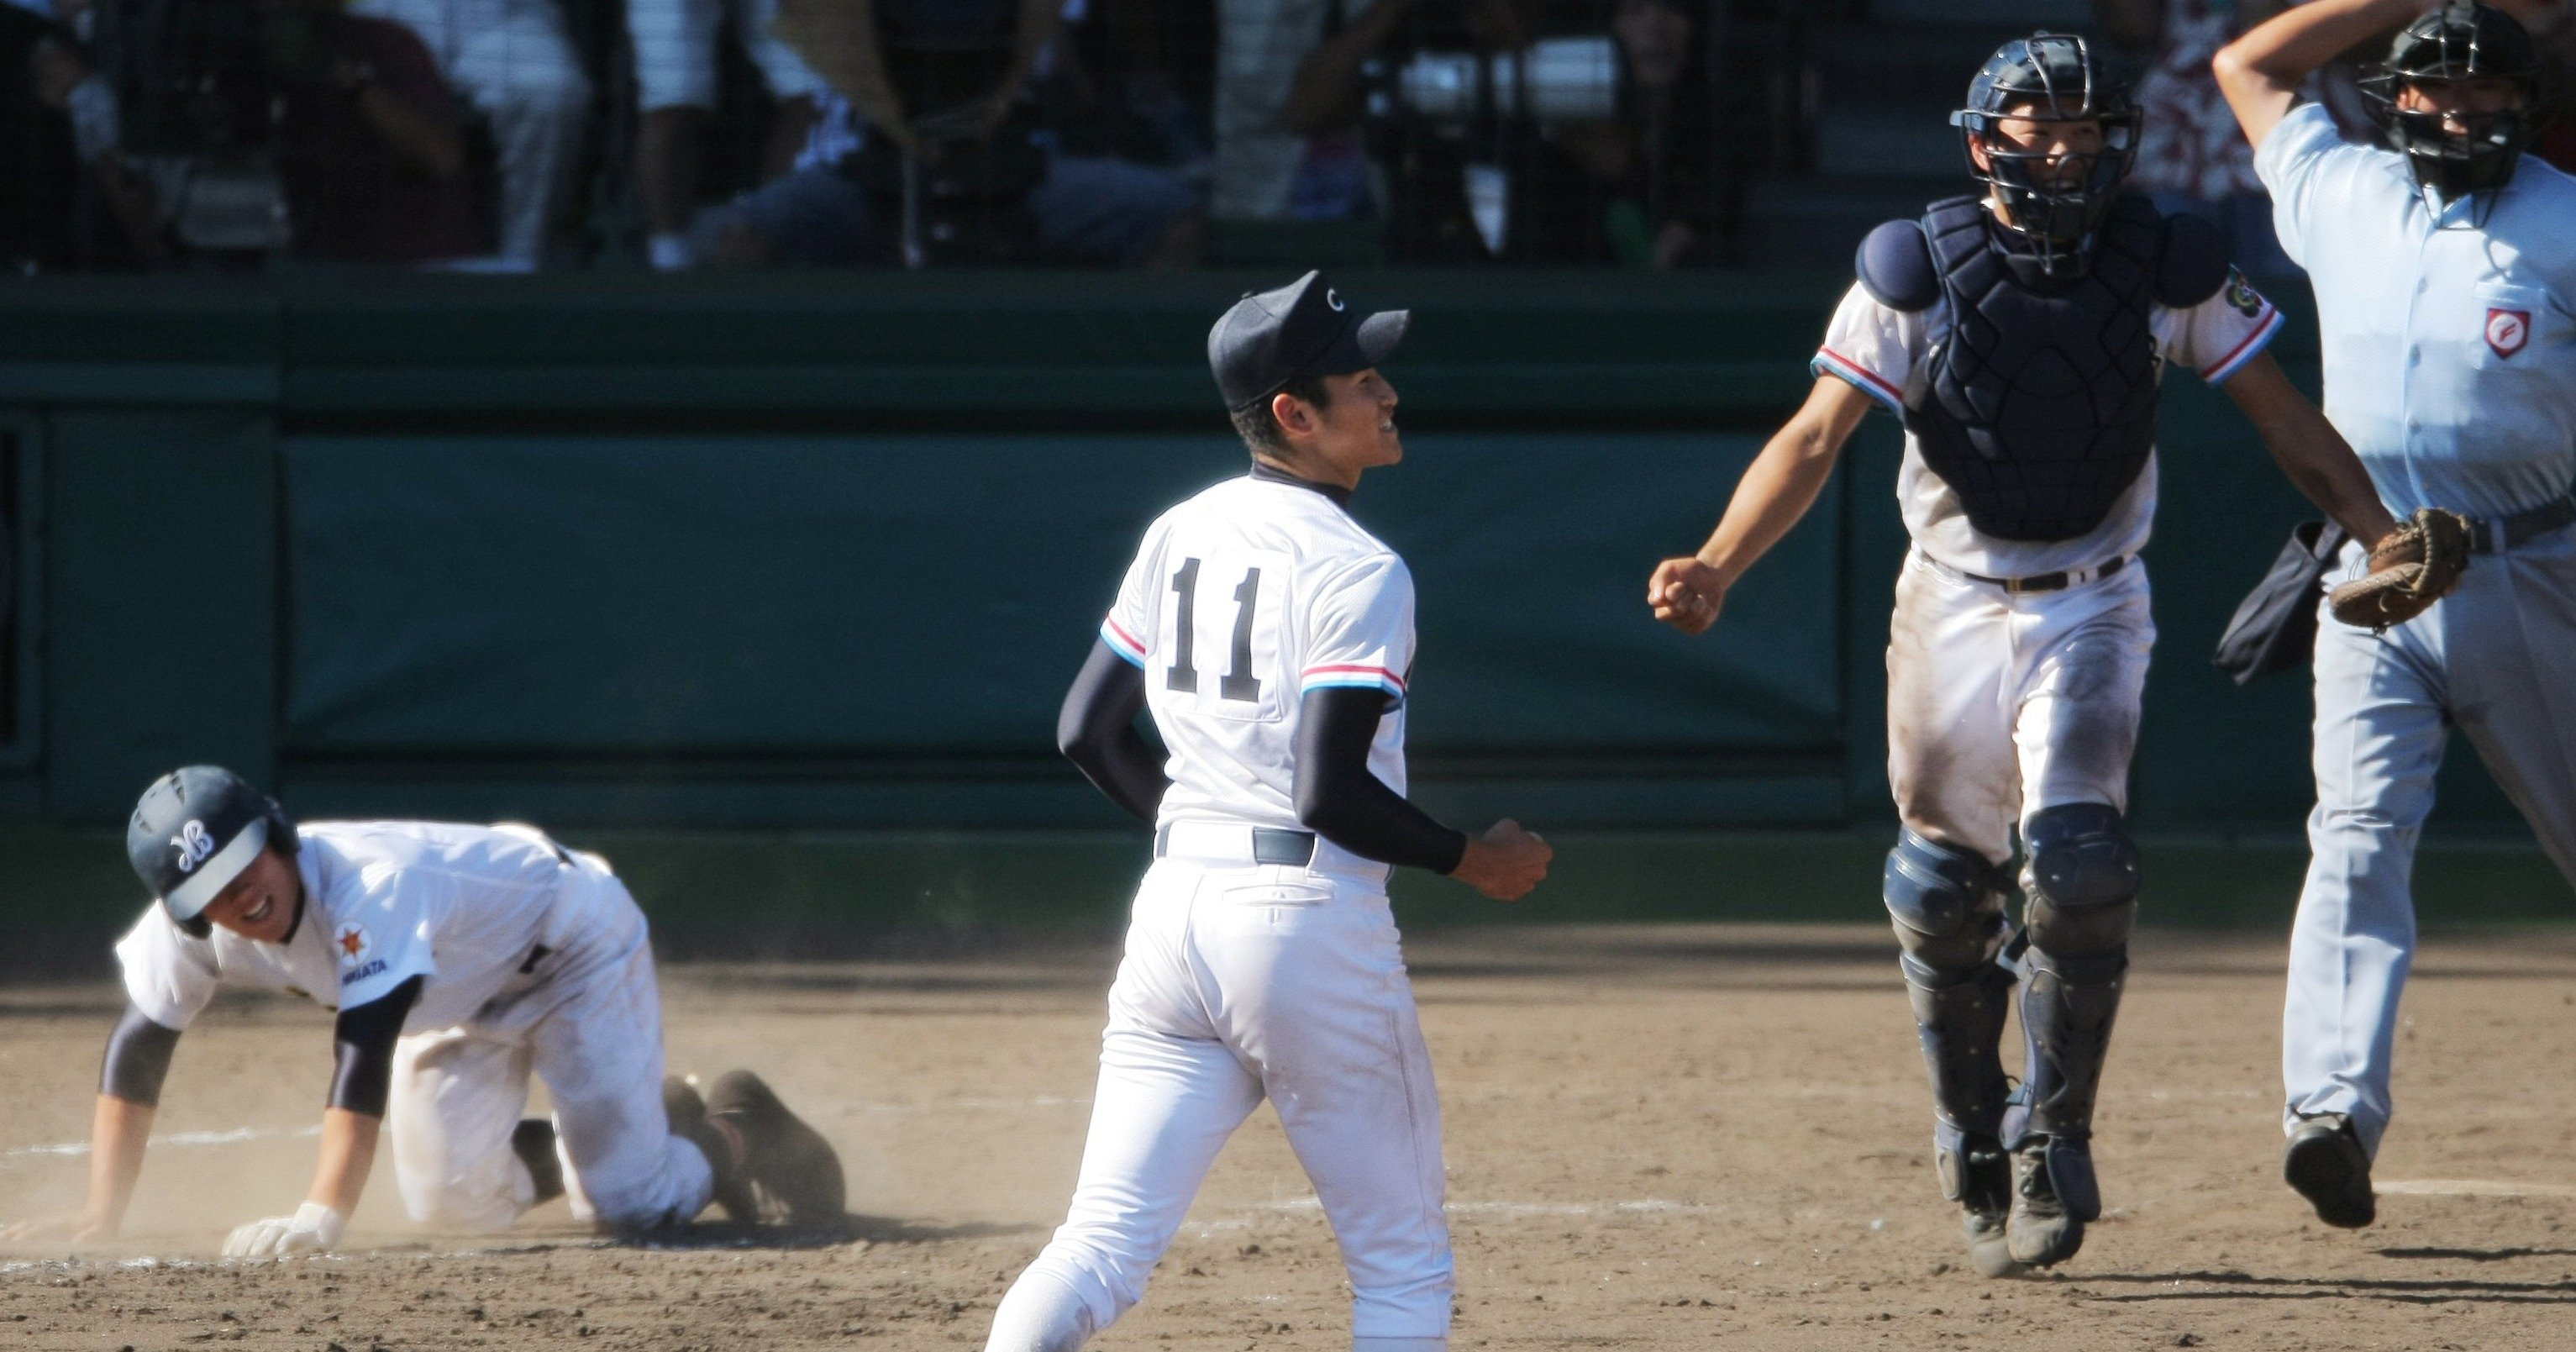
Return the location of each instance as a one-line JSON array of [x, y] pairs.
[[2496, 658]]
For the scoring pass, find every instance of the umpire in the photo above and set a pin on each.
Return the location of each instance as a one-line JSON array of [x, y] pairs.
[[2445, 271]]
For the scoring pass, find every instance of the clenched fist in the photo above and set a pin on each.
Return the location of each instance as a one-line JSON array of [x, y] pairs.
[[1505, 862], [1686, 594]]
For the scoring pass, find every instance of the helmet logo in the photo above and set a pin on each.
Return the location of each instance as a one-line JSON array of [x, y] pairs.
[[1333, 298], [193, 844], [2508, 330]]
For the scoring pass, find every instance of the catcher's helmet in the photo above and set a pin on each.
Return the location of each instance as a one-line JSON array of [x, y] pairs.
[[2049, 77], [194, 832], [2460, 41]]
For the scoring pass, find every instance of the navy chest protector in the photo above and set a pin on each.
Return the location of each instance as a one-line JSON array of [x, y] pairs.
[[2041, 408]]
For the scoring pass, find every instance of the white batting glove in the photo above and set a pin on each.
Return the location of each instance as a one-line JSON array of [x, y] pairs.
[[313, 1228]]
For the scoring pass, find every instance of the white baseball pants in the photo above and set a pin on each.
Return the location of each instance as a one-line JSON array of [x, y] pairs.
[[2493, 657], [1241, 981], [589, 1023], [1999, 705]]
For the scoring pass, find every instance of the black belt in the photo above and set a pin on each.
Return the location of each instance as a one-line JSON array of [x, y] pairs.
[[2046, 582], [2522, 527], [1270, 845]]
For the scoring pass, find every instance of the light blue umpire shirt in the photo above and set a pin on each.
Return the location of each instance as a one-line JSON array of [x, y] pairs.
[[2450, 347]]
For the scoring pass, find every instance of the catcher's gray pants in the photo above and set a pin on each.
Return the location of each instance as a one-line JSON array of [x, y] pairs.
[[1240, 982], [2495, 658]]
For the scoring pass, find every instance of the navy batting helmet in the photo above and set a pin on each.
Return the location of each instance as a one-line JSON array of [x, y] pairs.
[[2054, 201], [2461, 153], [194, 832]]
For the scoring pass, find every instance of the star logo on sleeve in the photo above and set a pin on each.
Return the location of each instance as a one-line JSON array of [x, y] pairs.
[[353, 945]]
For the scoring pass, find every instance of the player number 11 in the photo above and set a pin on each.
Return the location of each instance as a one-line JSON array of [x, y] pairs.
[[1237, 684]]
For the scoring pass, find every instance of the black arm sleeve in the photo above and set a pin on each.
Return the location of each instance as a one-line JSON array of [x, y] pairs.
[[138, 1059], [1096, 730], [364, 1041], [1346, 803]]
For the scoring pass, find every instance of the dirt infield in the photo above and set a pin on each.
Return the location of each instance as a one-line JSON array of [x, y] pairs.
[[1658, 1137]]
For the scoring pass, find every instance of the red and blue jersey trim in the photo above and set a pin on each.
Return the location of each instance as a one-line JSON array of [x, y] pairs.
[[2217, 372], [1351, 676], [1830, 362], [1121, 642]]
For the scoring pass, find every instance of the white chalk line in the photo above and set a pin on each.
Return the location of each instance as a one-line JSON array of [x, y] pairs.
[[180, 1139], [1644, 1206], [2470, 1187]]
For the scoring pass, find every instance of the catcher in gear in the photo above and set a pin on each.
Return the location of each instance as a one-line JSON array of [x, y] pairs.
[[2445, 272], [2021, 334]]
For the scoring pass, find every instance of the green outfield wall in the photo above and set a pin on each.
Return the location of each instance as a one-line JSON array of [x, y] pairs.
[[812, 551]]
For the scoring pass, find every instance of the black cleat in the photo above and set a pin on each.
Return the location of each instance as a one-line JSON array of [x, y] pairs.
[[2327, 1165], [688, 1116], [533, 1141], [1979, 1177], [2041, 1231], [786, 1163]]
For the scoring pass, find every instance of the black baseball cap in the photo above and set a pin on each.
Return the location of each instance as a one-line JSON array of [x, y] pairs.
[[195, 830], [1302, 329]]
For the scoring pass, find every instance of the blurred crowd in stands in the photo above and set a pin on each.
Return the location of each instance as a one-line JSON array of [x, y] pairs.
[[517, 135]]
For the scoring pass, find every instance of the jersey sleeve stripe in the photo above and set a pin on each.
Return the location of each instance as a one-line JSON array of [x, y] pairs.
[[2247, 350], [1352, 675], [1121, 642], [1830, 362]]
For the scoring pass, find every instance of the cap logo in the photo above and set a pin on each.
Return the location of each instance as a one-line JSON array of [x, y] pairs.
[[1333, 298], [193, 845], [2508, 330]]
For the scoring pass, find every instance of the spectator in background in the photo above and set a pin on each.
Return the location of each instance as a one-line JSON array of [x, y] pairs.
[[58, 128], [2552, 24], [675, 81], [1644, 188], [1287, 107], [368, 150], [945, 84], [512, 61], [2192, 158]]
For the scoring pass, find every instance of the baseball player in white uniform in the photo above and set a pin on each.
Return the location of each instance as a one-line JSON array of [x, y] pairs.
[[1271, 636], [2445, 269], [459, 959], [2021, 336]]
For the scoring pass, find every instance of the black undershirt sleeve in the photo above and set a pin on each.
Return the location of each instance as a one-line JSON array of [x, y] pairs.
[[1096, 730], [138, 1059], [363, 1040], [1345, 802]]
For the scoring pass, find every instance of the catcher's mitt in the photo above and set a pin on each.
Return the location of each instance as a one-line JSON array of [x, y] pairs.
[[2411, 567]]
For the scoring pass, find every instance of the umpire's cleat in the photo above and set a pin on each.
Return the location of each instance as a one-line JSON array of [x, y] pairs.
[[533, 1141], [789, 1163], [2326, 1163], [2041, 1231], [1978, 1176]]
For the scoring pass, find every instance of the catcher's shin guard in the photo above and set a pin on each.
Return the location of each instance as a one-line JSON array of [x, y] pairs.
[[1960, 1021], [2066, 1020]]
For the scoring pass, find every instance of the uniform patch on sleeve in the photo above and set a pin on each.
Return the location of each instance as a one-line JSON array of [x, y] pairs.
[[2242, 295], [356, 953]]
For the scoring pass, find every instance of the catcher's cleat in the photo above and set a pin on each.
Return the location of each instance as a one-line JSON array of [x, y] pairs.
[[2326, 1163], [2042, 1230], [789, 1164], [533, 1141], [1978, 1176]]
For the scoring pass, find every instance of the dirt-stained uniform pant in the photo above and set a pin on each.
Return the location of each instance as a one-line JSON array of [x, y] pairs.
[[587, 1020], [2496, 658], [1240, 982]]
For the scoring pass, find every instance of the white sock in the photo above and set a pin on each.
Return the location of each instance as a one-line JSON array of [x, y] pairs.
[[671, 253], [1039, 1314]]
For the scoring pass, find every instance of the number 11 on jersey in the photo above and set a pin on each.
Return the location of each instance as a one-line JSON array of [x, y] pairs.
[[1254, 632]]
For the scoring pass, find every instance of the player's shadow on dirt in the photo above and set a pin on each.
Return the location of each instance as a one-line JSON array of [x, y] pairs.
[[2476, 1255], [2410, 1291], [850, 1230]]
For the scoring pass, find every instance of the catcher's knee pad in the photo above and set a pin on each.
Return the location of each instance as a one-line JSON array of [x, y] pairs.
[[2082, 883], [1948, 906]]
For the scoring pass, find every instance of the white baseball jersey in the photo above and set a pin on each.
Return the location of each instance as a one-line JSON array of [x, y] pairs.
[[462, 907], [1890, 355], [1243, 599]]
